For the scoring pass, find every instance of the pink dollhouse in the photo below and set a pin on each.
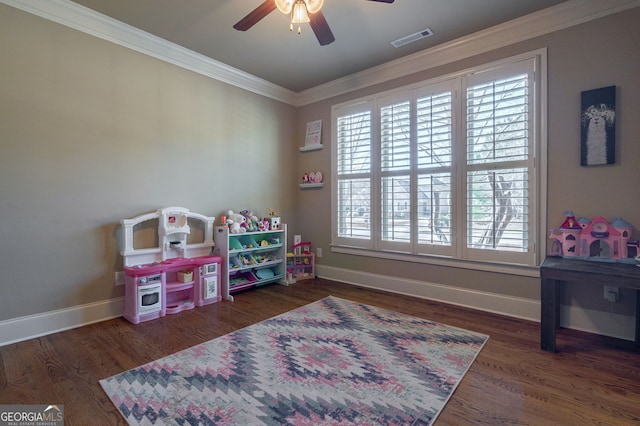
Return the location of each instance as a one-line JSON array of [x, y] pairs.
[[301, 263], [595, 239]]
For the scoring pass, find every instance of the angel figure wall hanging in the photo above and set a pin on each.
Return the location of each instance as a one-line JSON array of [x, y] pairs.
[[598, 132]]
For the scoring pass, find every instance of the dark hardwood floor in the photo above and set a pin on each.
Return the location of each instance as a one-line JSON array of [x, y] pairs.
[[591, 380]]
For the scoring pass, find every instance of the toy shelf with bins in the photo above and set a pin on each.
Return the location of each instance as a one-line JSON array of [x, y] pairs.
[[252, 258]]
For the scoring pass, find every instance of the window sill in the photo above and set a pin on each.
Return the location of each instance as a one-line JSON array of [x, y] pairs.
[[501, 268]]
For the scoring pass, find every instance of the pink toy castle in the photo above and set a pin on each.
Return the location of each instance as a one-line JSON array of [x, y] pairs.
[[592, 240]]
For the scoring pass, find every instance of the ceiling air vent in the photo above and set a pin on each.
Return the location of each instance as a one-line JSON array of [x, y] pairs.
[[412, 37]]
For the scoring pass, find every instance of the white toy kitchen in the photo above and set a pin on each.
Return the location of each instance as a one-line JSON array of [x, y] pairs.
[[175, 276]]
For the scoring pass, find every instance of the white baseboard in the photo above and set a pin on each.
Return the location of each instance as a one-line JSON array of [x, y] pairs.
[[31, 326], [574, 317], [604, 323], [598, 322]]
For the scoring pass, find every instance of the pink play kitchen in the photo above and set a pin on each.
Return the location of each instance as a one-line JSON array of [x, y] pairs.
[[176, 275]]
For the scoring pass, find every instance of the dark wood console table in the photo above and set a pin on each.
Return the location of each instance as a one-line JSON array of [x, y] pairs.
[[556, 270]]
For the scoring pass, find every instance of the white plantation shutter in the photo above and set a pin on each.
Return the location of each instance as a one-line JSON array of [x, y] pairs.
[[434, 209], [354, 144], [354, 211], [396, 205], [353, 196], [395, 135], [444, 168], [434, 116], [395, 186], [498, 121], [415, 131], [434, 158], [499, 163], [497, 209]]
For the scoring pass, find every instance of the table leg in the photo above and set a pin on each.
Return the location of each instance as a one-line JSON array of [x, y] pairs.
[[549, 314], [637, 317]]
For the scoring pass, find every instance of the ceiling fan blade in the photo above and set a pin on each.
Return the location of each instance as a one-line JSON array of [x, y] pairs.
[[256, 15], [321, 28], [384, 1]]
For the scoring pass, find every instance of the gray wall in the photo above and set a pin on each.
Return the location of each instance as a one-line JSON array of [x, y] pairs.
[[600, 53], [92, 133]]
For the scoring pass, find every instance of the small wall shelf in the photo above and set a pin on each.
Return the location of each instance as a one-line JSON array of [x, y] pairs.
[[311, 185], [311, 147]]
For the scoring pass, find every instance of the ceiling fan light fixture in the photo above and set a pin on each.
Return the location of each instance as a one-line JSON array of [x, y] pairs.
[[284, 6], [299, 14], [314, 5], [299, 11]]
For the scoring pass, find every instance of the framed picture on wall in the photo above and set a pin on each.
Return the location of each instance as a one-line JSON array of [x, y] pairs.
[[314, 133], [598, 123]]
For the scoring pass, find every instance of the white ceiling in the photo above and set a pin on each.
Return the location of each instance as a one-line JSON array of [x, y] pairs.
[[363, 31]]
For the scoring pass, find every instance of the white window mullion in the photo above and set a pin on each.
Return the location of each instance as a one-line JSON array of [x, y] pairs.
[[459, 172]]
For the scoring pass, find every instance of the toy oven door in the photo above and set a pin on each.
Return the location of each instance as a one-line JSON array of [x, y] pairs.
[[149, 298]]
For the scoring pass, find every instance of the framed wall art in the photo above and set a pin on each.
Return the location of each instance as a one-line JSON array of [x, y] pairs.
[[314, 133], [598, 123]]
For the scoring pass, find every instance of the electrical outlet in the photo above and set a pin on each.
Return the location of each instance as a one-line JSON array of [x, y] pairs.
[[611, 293], [119, 278], [319, 251]]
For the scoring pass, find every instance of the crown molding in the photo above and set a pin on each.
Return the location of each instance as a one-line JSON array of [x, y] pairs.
[[78, 17], [561, 16]]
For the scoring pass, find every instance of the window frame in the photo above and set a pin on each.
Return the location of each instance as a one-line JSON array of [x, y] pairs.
[[353, 108], [458, 254]]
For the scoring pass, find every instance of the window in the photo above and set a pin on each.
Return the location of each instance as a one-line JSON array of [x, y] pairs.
[[442, 168], [354, 168]]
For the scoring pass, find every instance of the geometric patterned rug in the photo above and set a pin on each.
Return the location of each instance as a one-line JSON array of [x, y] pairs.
[[332, 362]]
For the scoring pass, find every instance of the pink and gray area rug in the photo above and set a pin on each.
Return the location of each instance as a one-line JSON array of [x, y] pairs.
[[332, 362]]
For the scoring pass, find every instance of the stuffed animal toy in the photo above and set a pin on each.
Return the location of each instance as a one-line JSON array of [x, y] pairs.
[[251, 220], [236, 222]]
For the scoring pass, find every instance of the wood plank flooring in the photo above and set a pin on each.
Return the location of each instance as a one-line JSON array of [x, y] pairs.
[[591, 380]]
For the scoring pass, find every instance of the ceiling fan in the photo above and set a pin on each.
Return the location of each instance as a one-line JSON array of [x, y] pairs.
[[301, 11]]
